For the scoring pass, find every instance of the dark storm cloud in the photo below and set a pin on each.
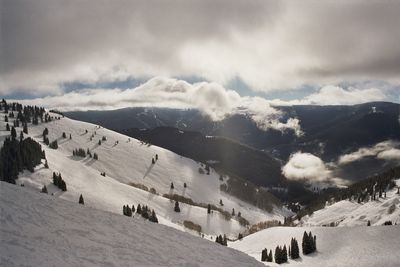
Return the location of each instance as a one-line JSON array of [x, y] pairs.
[[267, 44]]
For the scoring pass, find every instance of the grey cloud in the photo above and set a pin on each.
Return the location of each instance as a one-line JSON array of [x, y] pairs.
[[268, 44]]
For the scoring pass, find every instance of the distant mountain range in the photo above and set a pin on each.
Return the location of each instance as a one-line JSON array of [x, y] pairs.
[[329, 132]]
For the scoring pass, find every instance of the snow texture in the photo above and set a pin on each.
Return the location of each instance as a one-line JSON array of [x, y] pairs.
[[43, 230], [336, 246]]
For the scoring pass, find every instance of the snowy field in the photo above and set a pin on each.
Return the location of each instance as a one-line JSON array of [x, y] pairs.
[[336, 246], [126, 160], [41, 230]]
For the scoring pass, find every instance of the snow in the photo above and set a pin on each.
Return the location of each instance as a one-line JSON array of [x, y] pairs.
[[351, 213], [130, 161], [42, 230], [336, 246]]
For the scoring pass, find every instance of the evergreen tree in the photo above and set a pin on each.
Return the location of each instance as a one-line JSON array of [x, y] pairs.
[[64, 135], [156, 156], [240, 236], [46, 164], [284, 254], [45, 131], [184, 185], [5, 118], [264, 254], [13, 133], [176, 208], [21, 136], [369, 223], [153, 217], [81, 201], [239, 214], [54, 144], [233, 211], [208, 209], [25, 128], [95, 156], [44, 189], [153, 161], [278, 255], [133, 208], [172, 185], [139, 209], [294, 253], [7, 127], [269, 259], [220, 202]]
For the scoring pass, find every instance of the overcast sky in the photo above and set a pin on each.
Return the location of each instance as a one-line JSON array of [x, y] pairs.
[[318, 52]]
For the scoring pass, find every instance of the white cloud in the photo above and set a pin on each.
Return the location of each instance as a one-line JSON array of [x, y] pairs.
[[390, 154], [384, 150], [211, 99], [310, 168], [334, 95]]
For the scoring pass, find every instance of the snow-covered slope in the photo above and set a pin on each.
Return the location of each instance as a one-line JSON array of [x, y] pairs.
[[41, 230], [127, 160], [336, 246], [351, 213]]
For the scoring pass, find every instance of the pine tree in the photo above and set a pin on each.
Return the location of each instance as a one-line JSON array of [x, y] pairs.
[[44, 189], [208, 209], [133, 208], [156, 156], [269, 259], [264, 254], [172, 185], [25, 128], [184, 185], [239, 214], [153, 217], [7, 127], [5, 118], [139, 209], [13, 133], [233, 211], [176, 208], [46, 164], [95, 156], [240, 236], [277, 254], [153, 161], [284, 254], [294, 253], [21, 136], [64, 135], [81, 201], [220, 202]]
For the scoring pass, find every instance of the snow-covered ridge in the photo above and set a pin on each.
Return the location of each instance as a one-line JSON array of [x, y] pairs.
[[126, 160], [42, 230], [352, 213], [336, 246]]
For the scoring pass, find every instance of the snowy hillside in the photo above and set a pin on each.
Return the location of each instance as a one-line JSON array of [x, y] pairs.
[[125, 161], [336, 246], [351, 213], [41, 230]]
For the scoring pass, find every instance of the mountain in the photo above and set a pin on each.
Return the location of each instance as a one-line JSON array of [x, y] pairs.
[[43, 230], [328, 131], [131, 178], [223, 154]]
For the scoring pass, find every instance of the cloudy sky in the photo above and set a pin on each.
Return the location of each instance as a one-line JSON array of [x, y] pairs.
[[287, 52]]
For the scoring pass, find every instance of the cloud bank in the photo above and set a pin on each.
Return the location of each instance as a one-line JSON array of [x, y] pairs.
[[270, 45], [387, 150], [310, 168], [211, 99]]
